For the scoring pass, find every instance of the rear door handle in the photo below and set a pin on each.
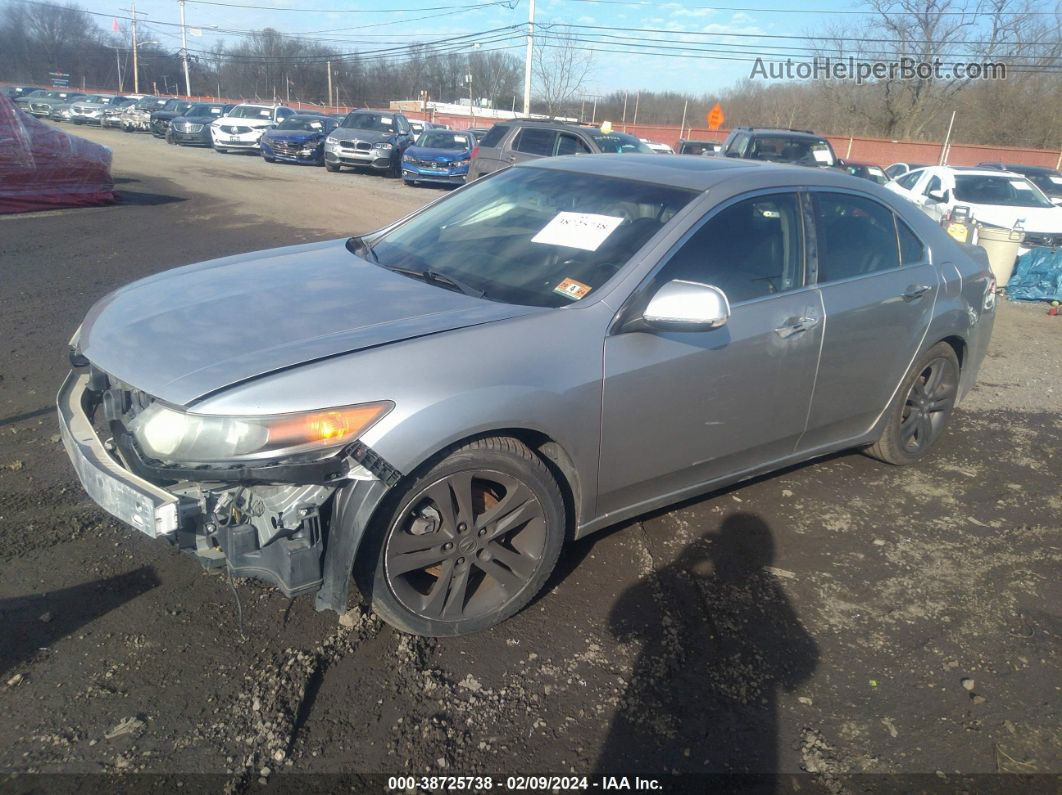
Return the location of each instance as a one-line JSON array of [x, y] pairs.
[[797, 326], [915, 291]]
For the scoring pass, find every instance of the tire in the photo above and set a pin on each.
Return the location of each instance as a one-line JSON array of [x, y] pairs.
[[921, 409], [411, 182], [492, 514], [332, 167], [269, 159], [221, 151]]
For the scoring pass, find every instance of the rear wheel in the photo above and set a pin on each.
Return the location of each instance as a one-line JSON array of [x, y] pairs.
[[921, 409], [466, 544]]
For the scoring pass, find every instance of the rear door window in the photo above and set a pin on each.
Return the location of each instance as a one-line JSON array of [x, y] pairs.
[[535, 141], [856, 236], [912, 251]]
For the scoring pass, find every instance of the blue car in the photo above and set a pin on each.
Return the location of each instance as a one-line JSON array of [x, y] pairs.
[[440, 156], [298, 139]]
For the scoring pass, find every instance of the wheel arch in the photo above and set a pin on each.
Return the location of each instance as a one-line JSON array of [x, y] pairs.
[[958, 344]]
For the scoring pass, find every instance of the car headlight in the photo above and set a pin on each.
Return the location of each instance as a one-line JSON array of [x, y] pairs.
[[176, 436], [382, 145]]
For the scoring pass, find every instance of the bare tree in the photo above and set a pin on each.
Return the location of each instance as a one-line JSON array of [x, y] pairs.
[[561, 67]]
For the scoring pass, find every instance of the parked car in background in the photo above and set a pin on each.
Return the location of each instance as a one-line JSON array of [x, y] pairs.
[[799, 147], [90, 109], [22, 100], [114, 115], [160, 119], [1048, 180], [192, 128], [419, 126], [137, 117], [660, 149], [521, 140], [41, 105], [479, 132], [865, 171], [369, 139], [899, 169], [993, 198], [241, 128], [432, 410], [690, 147], [298, 139], [17, 92], [439, 157]]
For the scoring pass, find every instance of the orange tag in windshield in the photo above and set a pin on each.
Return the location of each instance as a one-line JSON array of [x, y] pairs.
[[572, 289]]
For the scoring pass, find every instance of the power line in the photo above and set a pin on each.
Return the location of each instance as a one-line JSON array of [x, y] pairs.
[[508, 3], [829, 11]]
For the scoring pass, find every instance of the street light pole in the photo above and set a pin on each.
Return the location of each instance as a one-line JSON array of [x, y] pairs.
[[528, 55], [184, 51]]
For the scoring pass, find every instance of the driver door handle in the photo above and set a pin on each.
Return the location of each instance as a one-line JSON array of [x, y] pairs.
[[915, 291], [797, 326]]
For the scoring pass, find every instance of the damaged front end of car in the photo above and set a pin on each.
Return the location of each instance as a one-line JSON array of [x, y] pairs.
[[284, 499]]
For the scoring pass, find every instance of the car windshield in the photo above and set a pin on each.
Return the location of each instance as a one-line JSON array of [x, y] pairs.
[[1007, 191], [1050, 184], [205, 110], [176, 105], [250, 112], [784, 149], [375, 122], [97, 99], [532, 236], [620, 143], [149, 102], [444, 139], [873, 173], [306, 124]]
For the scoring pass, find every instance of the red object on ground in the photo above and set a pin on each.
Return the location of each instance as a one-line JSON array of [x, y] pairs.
[[42, 168]]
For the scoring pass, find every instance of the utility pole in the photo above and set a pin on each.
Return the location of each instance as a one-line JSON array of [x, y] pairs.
[[184, 51], [637, 98], [593, 115], [132, 25], [118, 61], [947, 142], [682, 127], [624, 111], [329, 65], [528, 56]]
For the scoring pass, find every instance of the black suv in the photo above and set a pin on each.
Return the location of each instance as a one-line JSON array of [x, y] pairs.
[[1046, 179], [802, 147], [526, 139]]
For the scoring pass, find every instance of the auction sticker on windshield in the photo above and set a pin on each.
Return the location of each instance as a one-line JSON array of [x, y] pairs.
[[578, 230]]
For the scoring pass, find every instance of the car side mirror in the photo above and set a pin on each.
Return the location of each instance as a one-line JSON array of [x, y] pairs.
[[938, 195], [684, 306]]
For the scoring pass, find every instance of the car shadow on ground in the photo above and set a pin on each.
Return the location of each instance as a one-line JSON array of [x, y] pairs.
[[718, 640], [138, 198], [36, 621]]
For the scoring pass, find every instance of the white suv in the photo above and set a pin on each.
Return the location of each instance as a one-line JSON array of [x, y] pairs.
[[243, 126], [994, 198]]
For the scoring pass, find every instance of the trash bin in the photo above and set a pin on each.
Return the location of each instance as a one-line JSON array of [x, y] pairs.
[[1002, 247]]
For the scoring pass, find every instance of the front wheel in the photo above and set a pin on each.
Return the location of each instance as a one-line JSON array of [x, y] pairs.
[[922, 407], [332, 167], [269, 159], [467, 543]]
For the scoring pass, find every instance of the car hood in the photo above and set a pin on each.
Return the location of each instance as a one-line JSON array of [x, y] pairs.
[[186, 333], [237, 122], [91, 105], [438, 155], [165, 114], [196, 119], [1034, 219], [372, 136], [293, 136]]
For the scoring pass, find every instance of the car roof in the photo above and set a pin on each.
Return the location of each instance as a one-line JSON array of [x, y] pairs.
[[975, 171], [698, 174], [778, 131]]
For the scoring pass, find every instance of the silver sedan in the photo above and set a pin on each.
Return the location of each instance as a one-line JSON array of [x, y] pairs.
[[430, 411]]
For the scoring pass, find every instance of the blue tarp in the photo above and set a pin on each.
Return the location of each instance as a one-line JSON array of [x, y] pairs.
[[1038, 276]]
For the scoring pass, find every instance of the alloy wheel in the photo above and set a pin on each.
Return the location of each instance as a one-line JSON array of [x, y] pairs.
[[927, 405], [466, 545]]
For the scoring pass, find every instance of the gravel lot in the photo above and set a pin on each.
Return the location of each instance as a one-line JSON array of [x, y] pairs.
[[839, 617]]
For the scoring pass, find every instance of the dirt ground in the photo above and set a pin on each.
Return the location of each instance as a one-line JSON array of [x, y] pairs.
[[839, 617]]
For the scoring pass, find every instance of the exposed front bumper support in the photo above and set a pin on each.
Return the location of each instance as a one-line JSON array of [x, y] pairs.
[[126, 496]]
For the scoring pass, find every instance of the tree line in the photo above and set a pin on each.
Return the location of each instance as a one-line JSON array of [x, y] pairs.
[[1024, 35]]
